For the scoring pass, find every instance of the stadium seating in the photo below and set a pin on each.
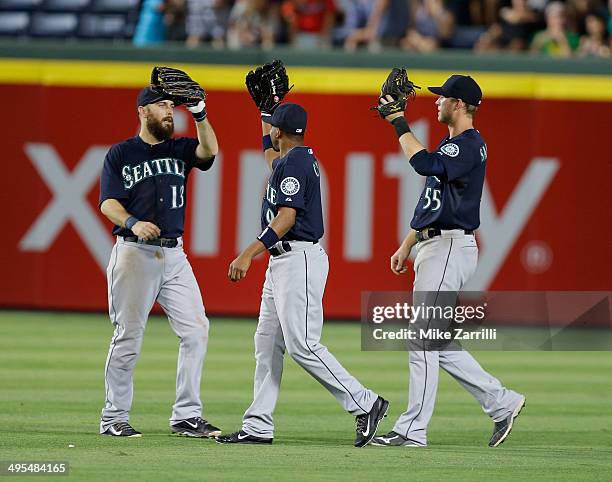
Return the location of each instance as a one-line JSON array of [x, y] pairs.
[[114, 6], [53, 25], [20, 5], [74, 6], [14, 24], [86, 19], [94, 26]]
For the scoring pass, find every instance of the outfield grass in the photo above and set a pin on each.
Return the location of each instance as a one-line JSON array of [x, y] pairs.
[[51, 393]]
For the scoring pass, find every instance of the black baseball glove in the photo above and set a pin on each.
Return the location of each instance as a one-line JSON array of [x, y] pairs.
[[400, 89], [268, 85], [177, 85]]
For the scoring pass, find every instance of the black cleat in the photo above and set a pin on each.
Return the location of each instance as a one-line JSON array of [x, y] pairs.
[[367, 424], [122, 429], [241, 437], [195, 427], [503, 428], [394, 439]]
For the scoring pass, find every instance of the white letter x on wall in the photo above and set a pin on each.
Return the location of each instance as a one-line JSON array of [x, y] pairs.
[[69, 202]]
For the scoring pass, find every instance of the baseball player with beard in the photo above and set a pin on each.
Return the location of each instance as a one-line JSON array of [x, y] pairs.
[[291, 312], [446, 252], [143, 193]]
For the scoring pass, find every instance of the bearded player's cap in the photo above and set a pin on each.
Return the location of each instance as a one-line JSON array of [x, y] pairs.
[[149, 96], [290, 118], [460, 87]]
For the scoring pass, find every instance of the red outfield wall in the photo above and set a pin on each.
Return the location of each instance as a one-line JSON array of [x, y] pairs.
[[545, 214]]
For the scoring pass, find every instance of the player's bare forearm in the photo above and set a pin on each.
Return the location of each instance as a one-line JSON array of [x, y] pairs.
[[410, 145], [283, 221], [399, 258], [408, 142], [208, 147], [409, 241], [281, 224], [269, 154], [115, 212]]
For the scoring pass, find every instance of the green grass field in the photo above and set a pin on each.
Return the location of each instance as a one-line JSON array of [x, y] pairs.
[[51, 392]]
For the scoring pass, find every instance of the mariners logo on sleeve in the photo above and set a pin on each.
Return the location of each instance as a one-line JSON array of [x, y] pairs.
[[451, 149], [290, 186]]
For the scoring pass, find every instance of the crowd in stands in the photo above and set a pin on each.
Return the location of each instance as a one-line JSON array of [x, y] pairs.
[[570, 28]]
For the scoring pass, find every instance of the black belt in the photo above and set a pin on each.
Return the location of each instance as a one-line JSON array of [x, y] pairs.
[[429, 233], [284, 247], [162, 242]]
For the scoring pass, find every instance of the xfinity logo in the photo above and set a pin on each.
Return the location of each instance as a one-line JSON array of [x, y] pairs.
[[501, 225]]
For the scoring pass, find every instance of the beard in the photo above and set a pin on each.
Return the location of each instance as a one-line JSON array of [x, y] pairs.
[[160, 131], [445, 117]]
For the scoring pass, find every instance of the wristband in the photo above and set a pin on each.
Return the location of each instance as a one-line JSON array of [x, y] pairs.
[[266, 142], [400, 125], [200, 116], [268, 237], [129, 222], [198, 111]]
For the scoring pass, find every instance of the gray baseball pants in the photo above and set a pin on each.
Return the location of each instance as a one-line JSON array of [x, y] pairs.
[[445, 263], [138, 275], [291, 319]]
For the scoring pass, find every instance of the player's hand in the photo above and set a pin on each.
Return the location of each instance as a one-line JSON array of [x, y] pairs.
[[385, 100], [146, 230], [398, 260], [239, 267]]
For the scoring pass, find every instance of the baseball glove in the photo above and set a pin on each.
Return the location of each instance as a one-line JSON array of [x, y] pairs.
[[400, 88], [268, 85], [177, 85]]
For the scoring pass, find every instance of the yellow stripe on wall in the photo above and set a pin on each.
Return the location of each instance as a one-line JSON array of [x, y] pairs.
[[84, 73]]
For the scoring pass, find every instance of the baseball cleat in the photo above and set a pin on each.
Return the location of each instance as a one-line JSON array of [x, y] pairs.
[[241, 437], [503, 428], [121, 429], [367, 424], [195, 427], [394, 439]]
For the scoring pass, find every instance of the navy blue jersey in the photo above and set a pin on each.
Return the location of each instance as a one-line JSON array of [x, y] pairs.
[[150, 181], [455, 177], [294, 182]]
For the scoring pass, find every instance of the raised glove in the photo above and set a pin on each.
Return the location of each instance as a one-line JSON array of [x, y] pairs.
[[400, 89], [268, 85], [178, 86]]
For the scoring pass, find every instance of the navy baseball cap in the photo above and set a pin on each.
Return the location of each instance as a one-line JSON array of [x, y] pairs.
[[290, 118], [149, 96], [460, 87]]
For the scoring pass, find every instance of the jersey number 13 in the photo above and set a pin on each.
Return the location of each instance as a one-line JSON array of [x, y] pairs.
[[178, 196]]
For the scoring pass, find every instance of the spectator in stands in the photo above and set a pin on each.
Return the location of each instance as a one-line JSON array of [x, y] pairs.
[[610, 21], [595, 43], [484, 12], [374, 23], [577, 11], [465, 12], [150, 29], [309, 22], [433, 27], [206, 22], [174, 19], [252, 23], [513, 31], [556, 40]]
